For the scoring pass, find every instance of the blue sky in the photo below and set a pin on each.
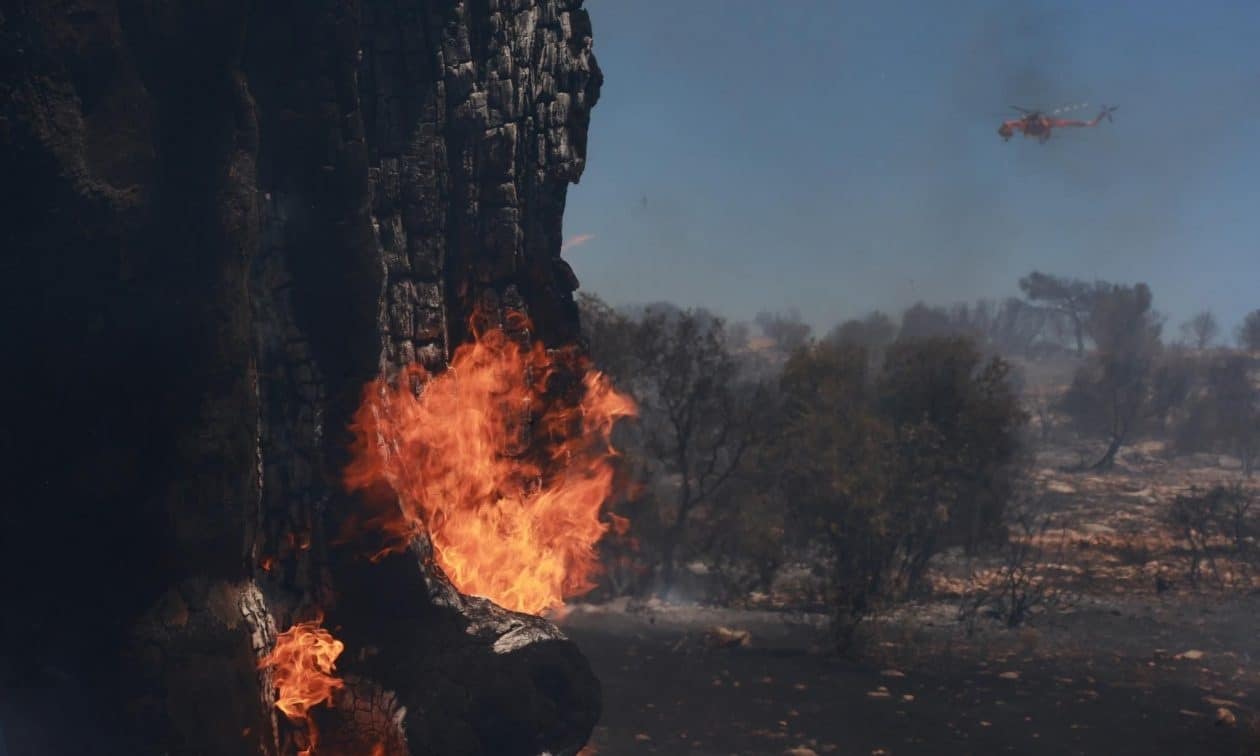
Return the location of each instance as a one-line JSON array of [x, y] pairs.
[[837, 157]]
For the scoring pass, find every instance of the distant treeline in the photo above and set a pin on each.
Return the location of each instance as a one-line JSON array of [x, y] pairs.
[[865, 452]]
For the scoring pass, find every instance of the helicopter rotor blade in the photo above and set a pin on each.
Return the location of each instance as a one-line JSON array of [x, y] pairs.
[[1069, 108]]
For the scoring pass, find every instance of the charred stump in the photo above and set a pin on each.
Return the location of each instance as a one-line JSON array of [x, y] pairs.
[[220, 221]]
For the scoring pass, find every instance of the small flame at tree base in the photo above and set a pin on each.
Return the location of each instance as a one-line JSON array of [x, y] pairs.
[[302, 665], [505, 460]]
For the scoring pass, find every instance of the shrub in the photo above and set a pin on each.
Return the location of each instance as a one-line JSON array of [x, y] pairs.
[[883, 472]]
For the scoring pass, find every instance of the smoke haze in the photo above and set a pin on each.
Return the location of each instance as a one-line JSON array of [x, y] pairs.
[[843, 157]]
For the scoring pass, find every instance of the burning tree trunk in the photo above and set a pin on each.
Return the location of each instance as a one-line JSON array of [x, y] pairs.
[[222, 221]]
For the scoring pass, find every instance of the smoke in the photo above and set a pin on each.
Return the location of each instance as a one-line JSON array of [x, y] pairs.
[[1016, 55], [864, 161], [1109, 201], [1019, 56]]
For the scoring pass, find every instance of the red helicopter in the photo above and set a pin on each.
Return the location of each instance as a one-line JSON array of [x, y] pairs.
[[1034, 123]]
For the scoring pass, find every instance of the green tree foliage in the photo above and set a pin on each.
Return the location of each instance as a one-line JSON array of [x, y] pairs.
[[957, 420], [1223, 413], [1110, 394], [921, 321], [1071, 299], [884, 470], [873, 332], [1173, 377], [836, 465], [1009, 327], [609, 337]]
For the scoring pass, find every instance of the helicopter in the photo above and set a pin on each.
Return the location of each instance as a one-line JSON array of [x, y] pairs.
[[1038, 124]]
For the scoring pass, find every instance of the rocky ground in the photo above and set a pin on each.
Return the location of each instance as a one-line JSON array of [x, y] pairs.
[[1129, 658]]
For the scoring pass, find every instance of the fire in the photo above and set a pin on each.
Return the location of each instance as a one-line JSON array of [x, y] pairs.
[[503, 468], [302, 665]]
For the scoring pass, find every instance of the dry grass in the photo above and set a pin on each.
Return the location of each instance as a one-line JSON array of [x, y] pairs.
[[1116, 524]]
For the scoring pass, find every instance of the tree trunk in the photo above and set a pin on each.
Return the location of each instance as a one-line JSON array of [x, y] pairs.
[[667, 560], [674, 534], [221, 220], [1079, 332], [1108, 459]]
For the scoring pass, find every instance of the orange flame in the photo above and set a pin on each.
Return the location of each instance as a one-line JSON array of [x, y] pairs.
[[302, 664], [507, 472]]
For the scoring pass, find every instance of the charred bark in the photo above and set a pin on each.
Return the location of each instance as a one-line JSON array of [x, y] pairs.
[[220, 221]]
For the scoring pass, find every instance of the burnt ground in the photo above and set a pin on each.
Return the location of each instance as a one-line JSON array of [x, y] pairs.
[[666, 691], [1119, 667]]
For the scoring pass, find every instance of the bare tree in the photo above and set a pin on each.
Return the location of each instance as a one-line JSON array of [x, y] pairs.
[[1041, 407], [1201, 330], [1249, 332], [1017, 326], [697, 416], [1214, 521], [1023, 581], [1196, 516]]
